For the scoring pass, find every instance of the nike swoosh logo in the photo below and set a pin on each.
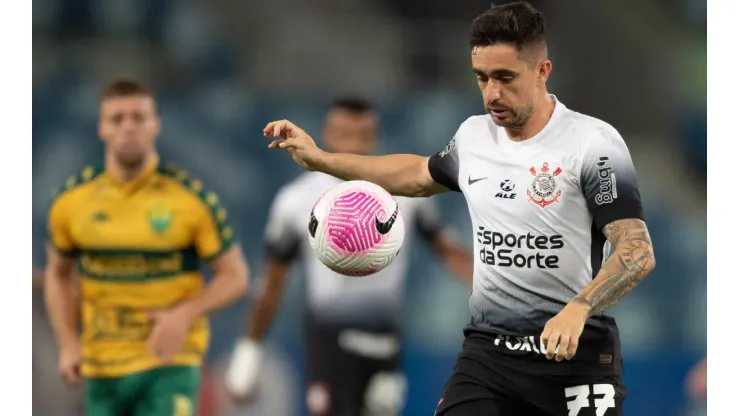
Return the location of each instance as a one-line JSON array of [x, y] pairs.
[[313, 224], [472, 181], [385, 227]]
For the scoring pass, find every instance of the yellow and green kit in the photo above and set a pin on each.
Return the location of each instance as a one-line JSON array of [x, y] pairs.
[[140, 245]]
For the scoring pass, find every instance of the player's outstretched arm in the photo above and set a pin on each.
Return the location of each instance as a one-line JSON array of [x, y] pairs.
[[632, 260], [403, 174]]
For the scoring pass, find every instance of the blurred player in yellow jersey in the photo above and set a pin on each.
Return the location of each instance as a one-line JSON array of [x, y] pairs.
[[138, 230]]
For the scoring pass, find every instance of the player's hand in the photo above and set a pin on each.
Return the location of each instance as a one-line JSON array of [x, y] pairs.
[[563, 331], [295, 141], [70, 359], [171, 326], [241, 376]]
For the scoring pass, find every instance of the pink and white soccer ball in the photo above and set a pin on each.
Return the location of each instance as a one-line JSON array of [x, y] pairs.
[[356, 228]]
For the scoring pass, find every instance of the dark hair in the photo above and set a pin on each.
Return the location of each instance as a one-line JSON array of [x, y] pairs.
[[354, 105], [125, 87], [518, 24]]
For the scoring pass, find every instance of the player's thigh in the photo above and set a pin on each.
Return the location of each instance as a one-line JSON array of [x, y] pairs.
[[170, 391], [583, 396], [102, 397], [476, 387]]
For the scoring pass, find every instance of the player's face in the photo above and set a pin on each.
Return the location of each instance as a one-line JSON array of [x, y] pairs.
[[510, 81], [128, 126], [348, 132]]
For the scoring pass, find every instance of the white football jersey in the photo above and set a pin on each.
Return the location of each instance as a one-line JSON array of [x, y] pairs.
[[537, 209], [371, 301]]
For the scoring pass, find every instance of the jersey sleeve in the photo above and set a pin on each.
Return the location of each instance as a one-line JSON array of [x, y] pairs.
[[609, 180], [427, 220], [445, 165], [58, 228], [213, 233], [282, 238]]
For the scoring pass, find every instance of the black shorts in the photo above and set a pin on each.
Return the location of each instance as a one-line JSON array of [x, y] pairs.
[[488, 380], [338, 376]]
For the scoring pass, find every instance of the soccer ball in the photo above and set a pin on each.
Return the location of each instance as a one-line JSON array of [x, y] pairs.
[[356, 228]]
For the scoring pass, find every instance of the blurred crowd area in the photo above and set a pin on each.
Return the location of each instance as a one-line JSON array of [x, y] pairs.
[[224, 68]]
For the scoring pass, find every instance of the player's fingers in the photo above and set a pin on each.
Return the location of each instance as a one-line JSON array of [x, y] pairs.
[[277, 129], [289, 145], [545, 336], [67, 377], [70, 375], [75, 376], [552, 344], [562, 348], [64, 374], [282, 128], [270, 128], [267, 131], [275, 144], [572, 347]]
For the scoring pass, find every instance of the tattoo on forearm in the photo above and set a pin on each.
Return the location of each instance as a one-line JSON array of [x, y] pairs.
[[631, 261]]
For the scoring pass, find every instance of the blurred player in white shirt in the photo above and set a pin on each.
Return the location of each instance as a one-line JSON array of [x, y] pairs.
[[352, 335]]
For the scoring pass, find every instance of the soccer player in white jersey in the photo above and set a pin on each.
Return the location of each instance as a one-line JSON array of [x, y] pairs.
[[352, 337], [549, 191]]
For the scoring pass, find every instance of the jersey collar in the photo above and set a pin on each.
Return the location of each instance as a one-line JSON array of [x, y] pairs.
[[555, 118], [136, 183]]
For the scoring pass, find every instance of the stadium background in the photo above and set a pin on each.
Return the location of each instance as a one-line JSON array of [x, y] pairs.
[[223, 68]]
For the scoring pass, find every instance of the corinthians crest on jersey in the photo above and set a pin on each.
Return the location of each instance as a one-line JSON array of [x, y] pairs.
[[544, 190]]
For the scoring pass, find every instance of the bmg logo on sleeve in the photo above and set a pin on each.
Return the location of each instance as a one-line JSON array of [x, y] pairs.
[[607, 182], [499, 249], [451, 145]]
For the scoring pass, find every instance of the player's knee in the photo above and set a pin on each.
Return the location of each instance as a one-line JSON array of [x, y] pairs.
[[318, 399], [386, 394]]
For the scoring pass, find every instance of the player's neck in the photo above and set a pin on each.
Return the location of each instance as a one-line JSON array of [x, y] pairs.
[[542, 112], [125, 173]]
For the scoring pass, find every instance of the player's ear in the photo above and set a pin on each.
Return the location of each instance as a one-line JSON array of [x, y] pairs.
[[544, 69]]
